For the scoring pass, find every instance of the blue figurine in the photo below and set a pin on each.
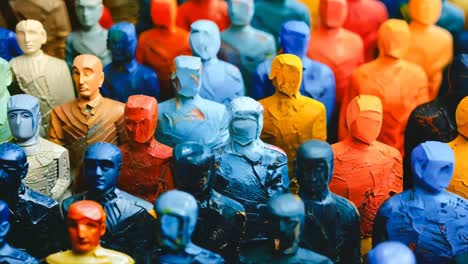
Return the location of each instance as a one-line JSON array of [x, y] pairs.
[[427, 218], [188, 117], [452, 18], [144, 16], [318, 80], [391, 252], [248, 170], [124, 76], [222, 81], [177, 213], [9, 47]]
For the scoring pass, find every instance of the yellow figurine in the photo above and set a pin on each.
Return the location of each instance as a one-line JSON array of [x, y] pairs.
[[313, 6]]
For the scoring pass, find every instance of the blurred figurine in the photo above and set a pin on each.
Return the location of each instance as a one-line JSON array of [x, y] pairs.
[[313, 6], [146, 164], [177, 213], [144, 16], [427, 218], [221, 220], [9, 47], [452, 18], [123, 10], [463, 5], [35, 221], [86, 224], [106, 20], [248, 170], [5, 80], [194, 10], [49, 168], [91, 38], [38, 74], [188, 117], [158, 47], [391, 252], [124, 75], [285, 213], [222, 81]]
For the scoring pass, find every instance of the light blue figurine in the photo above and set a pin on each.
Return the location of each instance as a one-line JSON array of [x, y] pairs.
[[391, 252], [452, 18], [125, 76], [318, 81], [189, 117], [5, 80], [222, 81], [9, 47]]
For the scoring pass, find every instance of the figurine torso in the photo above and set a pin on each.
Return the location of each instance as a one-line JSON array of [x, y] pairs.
[[459, 183], [98, 256], [192, 254], [192, 10], [82, 42], [16, 256]]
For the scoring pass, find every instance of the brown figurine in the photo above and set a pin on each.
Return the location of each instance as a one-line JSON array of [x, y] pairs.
[[123, 10]]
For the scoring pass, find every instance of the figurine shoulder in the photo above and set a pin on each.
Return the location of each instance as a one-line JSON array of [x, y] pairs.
[[115, 256], [387, 150], [393, 204], [443, 34], [349, 212], [16, 256], [276, 154], [53, 150], [39, 199], [138, 202], [63, 257], [163, 151], [231, 70], [118, 108], [229, 204]]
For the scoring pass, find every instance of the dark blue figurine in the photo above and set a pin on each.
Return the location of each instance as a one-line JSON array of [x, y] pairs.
[[9, 47], [124, 76], [318, 81], [427, 218], [144, 16], [177, 213], [391, 252], [332, 223]]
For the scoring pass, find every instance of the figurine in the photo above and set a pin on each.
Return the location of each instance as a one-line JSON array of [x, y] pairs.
[[9, 254], [313, 6], [400, 85], [35, 221], [127, 218], [285, 213], [222, 81], [367, 171], [177, 214], [158, 47], [89, 118], [248, 170], [427, 218], [463, 5], [188, 117], [86, 224], [123, 10], [452, 18], [38, 74], [5, 80], [243, 45], [106, 20], [144, 16], [291, 118], [318, 81], [194, 10], [91, 38], [124, 75], [49, 168], [146, 165], [391, 252], [221, 220], [9, 47]]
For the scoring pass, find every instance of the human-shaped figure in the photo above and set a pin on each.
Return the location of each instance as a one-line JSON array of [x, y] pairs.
[[243, 45], [221, 220], [286, 217], [9, 47], [452, 18], [318, 81], [9, 254], [248, 170], [391, 252], [427, 218], [367, 172], [86, 224], [5, 80], [331, 222], [92, 37], [38, 74], [313, 6], [400, 85], [123, 10], [193, 10], [89, 118], [188, 117], [49, 168], [291, 118], [127, 217], [158, 47], [222, 81], [146, 165], [463, 5], [124, 75], [177, 213], [35, 221]]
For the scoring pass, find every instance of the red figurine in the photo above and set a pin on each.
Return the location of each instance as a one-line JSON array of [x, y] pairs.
[[193, 10]]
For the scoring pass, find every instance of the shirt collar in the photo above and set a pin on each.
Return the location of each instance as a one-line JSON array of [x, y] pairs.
[[90, 106]]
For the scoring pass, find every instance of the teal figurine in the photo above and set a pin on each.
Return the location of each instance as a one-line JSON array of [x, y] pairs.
[[5, 80], [9, 47]]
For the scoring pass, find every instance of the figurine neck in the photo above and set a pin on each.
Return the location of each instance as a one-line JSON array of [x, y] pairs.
[[35, 54], [419, 188], [181, 99], [128, 65], [139, 146], [283, 96], [388, 59], [239, 28], [416, 25], [322, 196], [356, 143], [31, 145], [87, 253], [103, 197], [93, 29], [328, 31], [252, 151], [209, 61]]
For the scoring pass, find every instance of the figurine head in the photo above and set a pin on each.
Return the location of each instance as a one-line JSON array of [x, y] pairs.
[[241, 12], [333, 13], [141, 117], [433, 165], [205, 39], [102, 163], [461, 117], [88, 76], [86, 224], [186, 79], [88, 12], [426, 12], [394, 38], [390, 252], [24, 117], [13, 168], [294, 38], [164, 13], [246, 120], [177, 213], [458, 75], [122, 41], [6, 76], [4, 222], [30, 35], [364, 118], [286, 74]]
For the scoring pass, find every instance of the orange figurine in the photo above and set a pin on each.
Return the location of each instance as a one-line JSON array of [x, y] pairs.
[[367, 172], [400, 85], [193, 10], [158, 47]]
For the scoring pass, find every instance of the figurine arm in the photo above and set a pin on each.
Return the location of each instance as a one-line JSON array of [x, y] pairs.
[[396, 176], [319, 129], [63, 180], [55, 133]]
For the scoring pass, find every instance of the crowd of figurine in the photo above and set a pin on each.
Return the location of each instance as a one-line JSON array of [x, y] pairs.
[[356, 150]]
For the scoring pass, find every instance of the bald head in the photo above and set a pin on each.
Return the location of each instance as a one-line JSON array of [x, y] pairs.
[[87, 209], [30, 35], [87, 76]]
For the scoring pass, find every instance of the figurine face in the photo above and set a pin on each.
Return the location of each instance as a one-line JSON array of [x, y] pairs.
[[240, 12], [13, 168], [5, 76], [458, 75], [187, 76], [391, 252], [286, 74], [394, 38], [244, 130], [333, 13], [246, 120], [364, 118], [24, 117], [102, 166], [294, 37], [30, 35], [164, 13], [87, 76], [461, 116], [88, 12], [205, 39], [141, 117], [122, 41], [425, 11]]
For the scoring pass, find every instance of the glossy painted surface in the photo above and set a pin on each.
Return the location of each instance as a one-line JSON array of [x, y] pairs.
[[193, 10], [5, 80], [9, 47], [391, 252]]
